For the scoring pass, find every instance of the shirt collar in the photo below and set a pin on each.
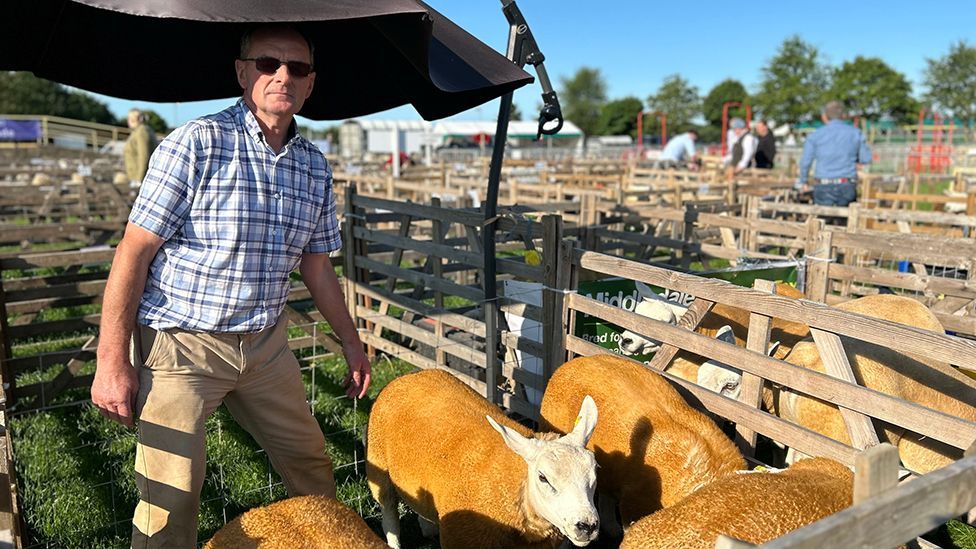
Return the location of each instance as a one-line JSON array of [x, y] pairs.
[[250, 123]]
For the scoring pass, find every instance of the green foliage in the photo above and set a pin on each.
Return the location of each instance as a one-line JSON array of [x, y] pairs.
[[871, 89], [619, 117], [725, 91], [516, 113], [793, 83], [156, 122], [951, 81], [24, 93], [679, 100], [582, 96], [963, 536]]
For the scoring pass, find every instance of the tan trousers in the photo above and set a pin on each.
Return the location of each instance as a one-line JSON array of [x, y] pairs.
[[183, 377]]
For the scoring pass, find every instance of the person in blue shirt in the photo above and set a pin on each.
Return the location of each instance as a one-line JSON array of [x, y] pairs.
[[837, 149], [679, 150]]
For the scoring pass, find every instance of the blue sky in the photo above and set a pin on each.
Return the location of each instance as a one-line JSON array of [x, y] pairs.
[[635, 44]]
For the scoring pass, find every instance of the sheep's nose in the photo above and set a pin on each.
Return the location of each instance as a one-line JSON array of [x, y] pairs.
[[626, 341], [587, 528]]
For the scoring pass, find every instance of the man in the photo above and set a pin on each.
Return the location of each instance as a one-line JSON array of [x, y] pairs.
[[679, 150], [743, 150], [766, 146], [231, 204], [138, 147], [837, 149]]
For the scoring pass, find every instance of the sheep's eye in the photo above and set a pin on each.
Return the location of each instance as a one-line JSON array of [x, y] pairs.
[[730, 386], [543, 479]]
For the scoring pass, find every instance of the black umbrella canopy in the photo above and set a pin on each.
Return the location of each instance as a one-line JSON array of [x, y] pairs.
[[370, 55]]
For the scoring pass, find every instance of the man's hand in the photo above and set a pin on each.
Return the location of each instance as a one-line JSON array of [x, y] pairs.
[[357, 380], [114, 390]]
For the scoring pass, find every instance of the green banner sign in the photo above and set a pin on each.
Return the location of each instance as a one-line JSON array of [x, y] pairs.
[[623, 293]]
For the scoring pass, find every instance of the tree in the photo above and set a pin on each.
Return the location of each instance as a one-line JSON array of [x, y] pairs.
[[582, 97], [156, 122], [951, 82], [619, 117], [723, 92], [793, 83], [516, 113], [678, 99], [871, 89], [24, 93]]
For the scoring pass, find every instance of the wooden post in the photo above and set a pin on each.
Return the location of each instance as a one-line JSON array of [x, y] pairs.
[[817, 252], [875, 471], [831, 349], [6, 375], [438, 271], [760, 327], [554, 336], [349, 254]]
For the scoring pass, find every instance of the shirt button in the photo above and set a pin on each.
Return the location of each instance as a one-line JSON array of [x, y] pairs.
[[274, 231], [278, 196]]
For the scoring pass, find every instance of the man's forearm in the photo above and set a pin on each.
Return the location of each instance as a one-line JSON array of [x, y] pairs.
[[329, 299], [126, 283]]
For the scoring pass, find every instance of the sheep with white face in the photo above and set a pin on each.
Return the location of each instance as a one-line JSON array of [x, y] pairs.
[[655, 307], [430, 447], [722, 378]]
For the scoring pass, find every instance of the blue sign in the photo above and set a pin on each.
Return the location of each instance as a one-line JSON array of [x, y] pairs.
[[20, 130]]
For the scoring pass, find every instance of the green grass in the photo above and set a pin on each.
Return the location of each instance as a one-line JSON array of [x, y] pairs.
[[75, 468]]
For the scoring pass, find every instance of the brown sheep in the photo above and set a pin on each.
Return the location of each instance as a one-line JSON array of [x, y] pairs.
[[927, 382], [653, 448], [430, 445], [307, 522], [754, 507]]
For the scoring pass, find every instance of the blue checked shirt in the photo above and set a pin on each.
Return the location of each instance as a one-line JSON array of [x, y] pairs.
[[235, 218], [837, 148]]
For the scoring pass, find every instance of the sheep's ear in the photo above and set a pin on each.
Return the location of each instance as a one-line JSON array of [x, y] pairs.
[[725, 334], [525, 447], [647, 292], [585, 423]]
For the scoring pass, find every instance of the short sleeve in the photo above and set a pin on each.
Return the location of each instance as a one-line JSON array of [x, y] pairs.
[[167, 190], [326, 236]]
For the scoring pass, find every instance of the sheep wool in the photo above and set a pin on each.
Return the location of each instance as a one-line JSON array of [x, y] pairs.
[[754, 507], [916, 379], [430, 445], [304, 522], [652, 447]]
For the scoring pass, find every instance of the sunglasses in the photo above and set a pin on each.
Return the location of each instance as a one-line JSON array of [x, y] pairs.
[[269, 65]]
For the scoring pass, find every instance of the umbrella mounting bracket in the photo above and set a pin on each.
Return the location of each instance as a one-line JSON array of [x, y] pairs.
[[524, 50]]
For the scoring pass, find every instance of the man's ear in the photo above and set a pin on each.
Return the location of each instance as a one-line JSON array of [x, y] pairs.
[[311, 85], [240, 67]]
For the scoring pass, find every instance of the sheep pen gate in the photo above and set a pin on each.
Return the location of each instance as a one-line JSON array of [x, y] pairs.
[[921, 505], [432, 314]]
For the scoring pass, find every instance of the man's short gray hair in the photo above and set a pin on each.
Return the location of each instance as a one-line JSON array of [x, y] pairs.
[[246, 39], [834, 110]]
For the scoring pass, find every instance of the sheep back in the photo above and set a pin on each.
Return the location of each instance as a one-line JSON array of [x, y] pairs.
[[428, 436], [754, 507], [652, 447], [311, 522]]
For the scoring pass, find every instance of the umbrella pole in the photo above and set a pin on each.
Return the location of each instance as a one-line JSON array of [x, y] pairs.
[[522, 50], [492, 310]]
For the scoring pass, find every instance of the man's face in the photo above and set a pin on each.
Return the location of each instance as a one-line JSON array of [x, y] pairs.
[[761, 128], [280, 94]]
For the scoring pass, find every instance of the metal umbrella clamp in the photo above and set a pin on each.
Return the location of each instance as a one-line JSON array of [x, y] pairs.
[[372, 56]]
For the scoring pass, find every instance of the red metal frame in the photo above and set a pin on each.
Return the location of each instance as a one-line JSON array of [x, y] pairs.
[[939, 153], [640, 130], [725, 121]]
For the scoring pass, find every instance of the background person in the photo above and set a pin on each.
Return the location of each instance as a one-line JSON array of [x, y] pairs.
[[765, 147], [680, 150], [837, 148], [231, 205], [138, 147], [743, 149]]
